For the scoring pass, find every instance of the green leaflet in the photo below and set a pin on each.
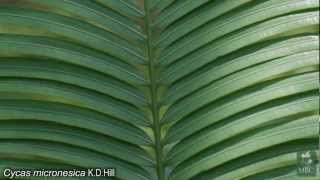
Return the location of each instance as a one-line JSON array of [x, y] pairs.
[[242, 79], [82, 139], [63, 72], [303, 128], [72, 116], [233, 21], [64, 93], [129, 8], [238, 61], [176, 10], [231, 128], [196, 19], [70, 155], [92, 12], [239, 39], [270, 159], [17, 45], [241, 102], [159, 89], [70, 29]]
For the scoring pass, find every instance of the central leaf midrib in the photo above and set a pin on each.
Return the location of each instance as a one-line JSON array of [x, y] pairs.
[[156, 126]]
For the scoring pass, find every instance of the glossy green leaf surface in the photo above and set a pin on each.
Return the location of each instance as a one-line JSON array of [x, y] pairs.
[[159, 89]]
